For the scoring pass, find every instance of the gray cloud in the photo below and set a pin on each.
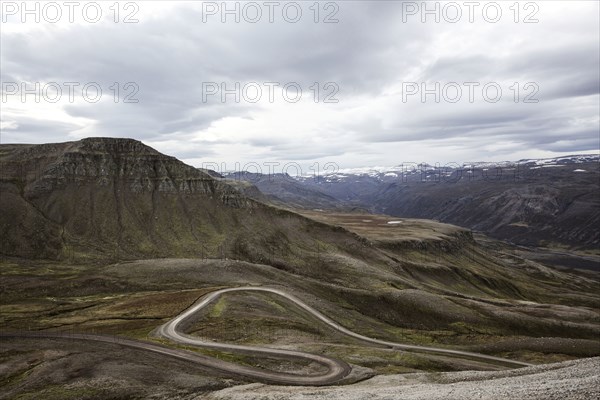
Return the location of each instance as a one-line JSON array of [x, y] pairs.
[[31, 130], [368, 54]]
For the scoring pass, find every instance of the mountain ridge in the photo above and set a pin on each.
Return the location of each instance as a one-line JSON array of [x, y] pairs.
[[534, 202], [114, 198]]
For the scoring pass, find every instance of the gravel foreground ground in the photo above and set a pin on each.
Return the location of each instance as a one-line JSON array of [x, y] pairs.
[[571, 380]]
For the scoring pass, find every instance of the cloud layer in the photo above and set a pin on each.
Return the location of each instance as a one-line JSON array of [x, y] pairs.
[[371, 61]]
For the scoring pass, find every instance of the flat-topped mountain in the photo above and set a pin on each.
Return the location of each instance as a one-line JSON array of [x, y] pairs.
[[118, 198], [39, 169]]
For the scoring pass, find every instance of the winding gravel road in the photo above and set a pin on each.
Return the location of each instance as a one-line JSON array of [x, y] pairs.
[[336, 370]]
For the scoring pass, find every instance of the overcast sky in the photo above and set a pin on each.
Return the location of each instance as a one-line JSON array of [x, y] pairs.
[[371, 62]]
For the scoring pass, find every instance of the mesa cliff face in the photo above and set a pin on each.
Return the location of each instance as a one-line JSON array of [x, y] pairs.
[[104, 161], [104, 197]]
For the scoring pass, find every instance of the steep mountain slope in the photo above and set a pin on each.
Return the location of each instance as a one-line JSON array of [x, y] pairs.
[[117, 198]]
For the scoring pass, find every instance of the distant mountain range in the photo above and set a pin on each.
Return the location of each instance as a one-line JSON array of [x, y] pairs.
[[452, 172], [538, 202]]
